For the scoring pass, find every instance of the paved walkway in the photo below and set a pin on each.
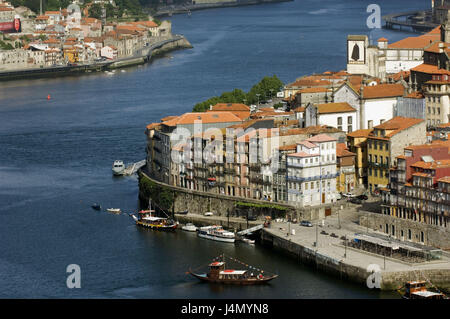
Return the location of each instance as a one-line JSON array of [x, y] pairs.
[[333, 247]]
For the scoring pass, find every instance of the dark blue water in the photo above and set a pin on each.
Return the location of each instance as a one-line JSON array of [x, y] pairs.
[[56, 156]]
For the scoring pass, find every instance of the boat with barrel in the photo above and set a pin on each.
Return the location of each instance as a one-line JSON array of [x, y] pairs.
[[218, 273], [216, 233], [418, 290]]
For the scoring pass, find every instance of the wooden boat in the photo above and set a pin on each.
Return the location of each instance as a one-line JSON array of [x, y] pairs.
[[147, 219], [418, 290], [218, 274]]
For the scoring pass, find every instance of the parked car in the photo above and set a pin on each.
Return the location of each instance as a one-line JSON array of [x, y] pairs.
[[252, 218], [209, 214], [306, 223], [362, 197], [348, 195]]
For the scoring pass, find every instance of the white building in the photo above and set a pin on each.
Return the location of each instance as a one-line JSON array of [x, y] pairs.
[[311, 172], [378, 103], [381, 59]]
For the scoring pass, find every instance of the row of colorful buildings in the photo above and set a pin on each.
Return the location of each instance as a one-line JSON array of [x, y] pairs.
[[61, 38]]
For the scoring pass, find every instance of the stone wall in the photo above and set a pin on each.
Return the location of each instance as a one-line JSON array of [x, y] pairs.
[[389, 280], [199, 202], [433, 235]]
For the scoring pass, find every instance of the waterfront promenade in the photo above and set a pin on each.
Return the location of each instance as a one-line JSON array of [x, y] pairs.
[[141, 56], [353, 263]]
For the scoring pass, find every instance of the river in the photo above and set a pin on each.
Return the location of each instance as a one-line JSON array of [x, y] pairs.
[[56, 156]]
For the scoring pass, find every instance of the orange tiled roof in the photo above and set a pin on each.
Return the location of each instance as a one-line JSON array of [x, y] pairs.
[[432, 165], [302, 154], [415, 95], [419, 42], [396, 125], [342, 107], [383, 91], [291, 147], [360, 133], [445, 179], [342, 150], [429, 69], [321, 138], [204, 117]]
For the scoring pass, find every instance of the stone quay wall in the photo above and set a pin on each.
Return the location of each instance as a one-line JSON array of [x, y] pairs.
[[389, 280], [433, 235]]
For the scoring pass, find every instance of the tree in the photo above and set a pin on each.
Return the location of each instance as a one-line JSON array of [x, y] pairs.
[[95, 11], [266, 88]]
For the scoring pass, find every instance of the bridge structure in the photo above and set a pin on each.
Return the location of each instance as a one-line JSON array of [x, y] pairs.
[[415, 20], [250, 230]]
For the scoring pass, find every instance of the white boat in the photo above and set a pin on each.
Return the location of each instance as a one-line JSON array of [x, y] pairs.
[[248, 241], [114, 210], [118, 168], [189, 227], [209, 214], [216, 233]]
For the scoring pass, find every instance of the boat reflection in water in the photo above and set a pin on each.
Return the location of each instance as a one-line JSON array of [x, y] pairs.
[[219, 274]]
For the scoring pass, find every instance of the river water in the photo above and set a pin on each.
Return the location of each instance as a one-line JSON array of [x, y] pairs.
[[56, 157]]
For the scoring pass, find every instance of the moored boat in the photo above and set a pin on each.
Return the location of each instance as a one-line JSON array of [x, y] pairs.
[[118, 168], [216, 233], [147, 219], [219, 274], [189, 227], [418, 290], [114, 210]]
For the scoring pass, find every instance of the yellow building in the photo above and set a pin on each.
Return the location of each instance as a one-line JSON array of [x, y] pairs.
[[357, 142], [71, 55], [346, 179], [386, 142]]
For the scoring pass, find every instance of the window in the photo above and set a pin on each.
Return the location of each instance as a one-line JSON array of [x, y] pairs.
[[339, 120], [409, 234], [370, 124], [375, 145], [349, 120], [349, 129]]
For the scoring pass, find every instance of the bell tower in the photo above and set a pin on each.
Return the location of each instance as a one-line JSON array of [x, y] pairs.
[[445, 29]]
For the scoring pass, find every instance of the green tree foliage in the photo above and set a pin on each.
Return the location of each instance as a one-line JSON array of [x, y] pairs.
[[162, 196], [266, 89], [34, 5], [95, 11]]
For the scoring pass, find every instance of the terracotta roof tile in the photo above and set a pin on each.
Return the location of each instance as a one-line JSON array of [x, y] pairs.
[[205, 117], [335, 108], [430, 69], [383, 91]]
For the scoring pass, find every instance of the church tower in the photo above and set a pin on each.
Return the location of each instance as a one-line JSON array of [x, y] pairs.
[[445, 29]]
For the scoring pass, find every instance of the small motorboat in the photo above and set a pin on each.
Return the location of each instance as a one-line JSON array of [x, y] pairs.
[[118, 168], [96, 206], [189, 227], [114, 210], [185, 212]]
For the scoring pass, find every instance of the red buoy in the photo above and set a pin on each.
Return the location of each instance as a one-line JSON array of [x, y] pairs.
[[48, 97]]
